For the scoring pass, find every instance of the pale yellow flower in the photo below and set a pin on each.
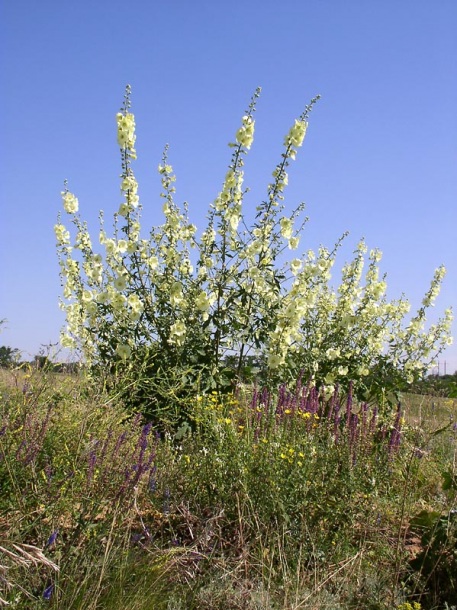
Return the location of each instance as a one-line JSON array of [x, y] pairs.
[[122, 245], [110, 246], [103, 297], [176, 296], [177, 332], [135, 303], [245, 134], [123, 351], [62, 235], [153, 262], [118, 301], [70, 202], [274, 360], [295, 265], [126, 130], [293, 243], [120, 282], [332, 353], [296, 134], [66, 341], [123, 209]]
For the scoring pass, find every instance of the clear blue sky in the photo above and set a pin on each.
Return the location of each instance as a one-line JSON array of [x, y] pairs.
[[379, 158]]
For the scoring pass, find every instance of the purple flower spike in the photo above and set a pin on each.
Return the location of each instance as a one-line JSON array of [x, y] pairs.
[[52, 538], [47, 593]]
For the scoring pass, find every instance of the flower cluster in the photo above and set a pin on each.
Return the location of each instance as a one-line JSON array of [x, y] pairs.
[[245, 134], [296, 135], [199, 302], [125, 130]]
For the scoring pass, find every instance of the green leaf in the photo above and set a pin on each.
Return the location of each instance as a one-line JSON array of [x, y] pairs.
[[426, 519], [449, 481]]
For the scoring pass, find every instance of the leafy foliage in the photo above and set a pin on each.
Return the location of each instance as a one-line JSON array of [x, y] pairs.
[[167, 312], [8, 356], [271, 499]]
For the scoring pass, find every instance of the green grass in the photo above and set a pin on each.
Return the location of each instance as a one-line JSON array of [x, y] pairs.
[[251, 507]]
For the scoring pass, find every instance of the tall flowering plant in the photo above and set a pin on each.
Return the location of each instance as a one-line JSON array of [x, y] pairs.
[[171, 310]]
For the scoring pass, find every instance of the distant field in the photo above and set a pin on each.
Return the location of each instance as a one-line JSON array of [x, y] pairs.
[[431, 409]]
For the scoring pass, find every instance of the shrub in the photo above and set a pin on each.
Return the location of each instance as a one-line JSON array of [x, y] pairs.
[[169, 311]]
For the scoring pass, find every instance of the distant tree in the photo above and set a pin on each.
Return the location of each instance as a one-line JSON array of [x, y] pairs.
[[8, 356], [40, 361], [437, 385]]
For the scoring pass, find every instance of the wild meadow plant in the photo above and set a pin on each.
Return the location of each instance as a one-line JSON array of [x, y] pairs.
[[70, 473], [272, 446], [274, 494], [280, 499], [173, 310]]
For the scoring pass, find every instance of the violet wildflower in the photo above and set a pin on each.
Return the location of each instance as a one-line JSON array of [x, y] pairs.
[[265, 399], [354, 434], [311, 402], [349, 405], [141, 466], [120, 441], [254, 401], [336, 422], [364, 419], [353, 428], [47, 593], [52, 538], [332, 403]]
